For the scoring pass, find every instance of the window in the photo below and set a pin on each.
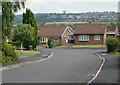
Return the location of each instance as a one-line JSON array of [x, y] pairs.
[[96, 37], [56, 39], [43, 39], [83, 37]]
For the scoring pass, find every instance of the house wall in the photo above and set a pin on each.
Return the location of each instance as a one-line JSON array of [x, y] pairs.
[[43, 43], [116, 31], [91, 40], [64, 38]]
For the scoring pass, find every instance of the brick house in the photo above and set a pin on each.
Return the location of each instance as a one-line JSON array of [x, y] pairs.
[[90, 34], [112, 31], [58, 34]]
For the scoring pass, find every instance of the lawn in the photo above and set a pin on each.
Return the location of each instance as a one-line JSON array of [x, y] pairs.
[[43, 45], [77, 46], [26, 54], [53, 45]]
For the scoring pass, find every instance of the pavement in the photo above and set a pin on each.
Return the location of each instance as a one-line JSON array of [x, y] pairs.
[[110, 71], [44, 53]]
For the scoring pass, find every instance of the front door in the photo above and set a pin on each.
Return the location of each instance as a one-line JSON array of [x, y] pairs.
[[66, 40]]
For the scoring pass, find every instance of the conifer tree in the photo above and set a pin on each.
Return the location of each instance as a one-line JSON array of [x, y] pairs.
[[28, 18]]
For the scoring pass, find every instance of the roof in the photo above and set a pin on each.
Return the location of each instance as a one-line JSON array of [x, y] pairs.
[[111, 28], [51, 31], [90, 28]]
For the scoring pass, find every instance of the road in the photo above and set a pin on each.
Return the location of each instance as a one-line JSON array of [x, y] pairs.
[[65, 66]]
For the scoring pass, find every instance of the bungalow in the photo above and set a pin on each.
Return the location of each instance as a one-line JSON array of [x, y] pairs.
[[90, 34], [112, 31], [58, 34]]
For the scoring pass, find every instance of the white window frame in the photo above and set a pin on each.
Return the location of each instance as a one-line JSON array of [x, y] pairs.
[[96, 37], [83, 38], [54, 39], [43, 39]]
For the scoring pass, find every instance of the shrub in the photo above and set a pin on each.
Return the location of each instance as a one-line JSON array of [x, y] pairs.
[[28, 43], [15, 43], [8, 53], [6, 60], [50, 43], [112, 44]]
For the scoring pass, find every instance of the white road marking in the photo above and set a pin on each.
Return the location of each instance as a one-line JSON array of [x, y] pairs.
[[104, 54], [95, 76], [25, 63]]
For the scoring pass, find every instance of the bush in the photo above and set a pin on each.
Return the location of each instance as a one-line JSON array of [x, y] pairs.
[[15, 43], [112, 44], [28, 43], [50, 45], [8, 53], [6, 59], [49, 41]]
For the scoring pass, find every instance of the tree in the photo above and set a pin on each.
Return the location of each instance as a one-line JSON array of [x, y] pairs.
[[8, 14], [28, 18], [24, 33]]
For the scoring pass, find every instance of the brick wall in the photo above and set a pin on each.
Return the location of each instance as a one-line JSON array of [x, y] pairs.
[[43, 43], [91, 40]]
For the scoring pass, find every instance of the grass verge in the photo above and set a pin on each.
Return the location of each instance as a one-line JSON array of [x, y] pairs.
[[77, 46], [43, 45], [26, 54]]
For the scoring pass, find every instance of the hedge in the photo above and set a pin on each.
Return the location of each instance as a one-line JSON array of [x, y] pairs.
[[112, 44]]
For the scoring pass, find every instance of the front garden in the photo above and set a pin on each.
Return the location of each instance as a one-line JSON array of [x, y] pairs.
[[12, 52]]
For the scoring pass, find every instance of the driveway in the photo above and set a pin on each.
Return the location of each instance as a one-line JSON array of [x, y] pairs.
[[65, 66]]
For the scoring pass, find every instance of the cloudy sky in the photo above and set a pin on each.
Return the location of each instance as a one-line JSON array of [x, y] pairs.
[[71, 6]]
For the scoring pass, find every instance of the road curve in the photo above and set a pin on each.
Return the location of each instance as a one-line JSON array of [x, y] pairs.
[[65, 66]]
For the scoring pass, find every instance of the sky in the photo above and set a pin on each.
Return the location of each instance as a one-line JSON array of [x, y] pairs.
[[71, 6]]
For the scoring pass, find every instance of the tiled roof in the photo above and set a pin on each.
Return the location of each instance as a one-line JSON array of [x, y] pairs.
[[90, 28], [51, 31]]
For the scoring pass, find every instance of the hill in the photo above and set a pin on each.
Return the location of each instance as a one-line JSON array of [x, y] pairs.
[[73, 17]]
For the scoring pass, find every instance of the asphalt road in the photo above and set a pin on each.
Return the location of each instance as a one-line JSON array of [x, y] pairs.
[[65, 66]]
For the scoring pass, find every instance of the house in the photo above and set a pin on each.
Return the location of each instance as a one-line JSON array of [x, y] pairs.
[[90, 34], [58, 34], [112, 31]]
